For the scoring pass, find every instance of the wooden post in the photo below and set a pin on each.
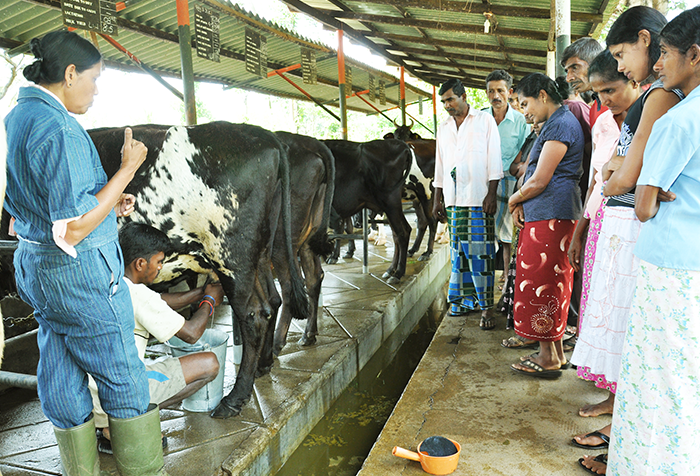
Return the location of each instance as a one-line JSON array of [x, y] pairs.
[[344, 130], [341, 87], [434, 112], [563, 31], [185, 40], [402, 96]]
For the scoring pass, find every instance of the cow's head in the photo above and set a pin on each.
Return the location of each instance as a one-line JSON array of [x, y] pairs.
[[403, 133]]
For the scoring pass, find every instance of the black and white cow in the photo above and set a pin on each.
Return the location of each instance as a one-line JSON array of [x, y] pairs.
[[418, 186], [371, 175], [312, 179], [218, 190]]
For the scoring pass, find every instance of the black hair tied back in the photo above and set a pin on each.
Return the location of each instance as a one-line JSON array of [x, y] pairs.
[[57, 50], [33, 71]]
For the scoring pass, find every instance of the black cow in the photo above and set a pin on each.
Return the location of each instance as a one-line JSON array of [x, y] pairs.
[[371, 175], [218, 190], [312, 178], [418, 186]]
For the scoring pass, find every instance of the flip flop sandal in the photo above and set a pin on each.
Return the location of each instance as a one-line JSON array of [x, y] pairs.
[[565, 366], [602, 446], [539, 371], [601, 458], [517, 342], [487, 323]]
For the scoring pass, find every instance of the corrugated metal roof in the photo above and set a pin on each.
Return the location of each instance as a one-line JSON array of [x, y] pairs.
[[439, 39], [149, 30]]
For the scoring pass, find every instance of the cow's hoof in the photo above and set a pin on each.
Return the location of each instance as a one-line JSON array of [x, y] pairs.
[[424, 257], [393, 280], [386, 275], [224, 410], [307, 340], [264, 370], [348, 255], [331, 260], [411, 253]]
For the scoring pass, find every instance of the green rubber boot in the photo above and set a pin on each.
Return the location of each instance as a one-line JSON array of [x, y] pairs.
[[137, 445], [78, 448]]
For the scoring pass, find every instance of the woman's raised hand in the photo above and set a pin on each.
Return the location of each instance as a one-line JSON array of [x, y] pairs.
[[133, 152]]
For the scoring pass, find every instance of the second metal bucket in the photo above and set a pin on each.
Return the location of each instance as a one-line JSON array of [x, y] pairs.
[[209, 396]]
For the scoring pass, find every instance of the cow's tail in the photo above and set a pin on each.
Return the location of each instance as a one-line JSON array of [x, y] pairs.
[[409, 164], [299, 305], [319, 242]]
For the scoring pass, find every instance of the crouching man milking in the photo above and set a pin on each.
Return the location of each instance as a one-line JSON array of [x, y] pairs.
[[173, 379]]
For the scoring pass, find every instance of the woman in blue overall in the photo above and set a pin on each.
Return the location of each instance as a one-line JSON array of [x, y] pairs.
[[69, 266]]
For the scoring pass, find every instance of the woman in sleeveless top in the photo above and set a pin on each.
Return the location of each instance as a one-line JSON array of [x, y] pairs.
[[656, 416], [633, 41]]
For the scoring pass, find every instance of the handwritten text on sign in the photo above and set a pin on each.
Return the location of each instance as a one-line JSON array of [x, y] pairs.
[[206, 32], [92, 15]]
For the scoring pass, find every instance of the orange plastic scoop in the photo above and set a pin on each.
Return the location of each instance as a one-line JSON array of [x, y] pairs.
[[431, 464]]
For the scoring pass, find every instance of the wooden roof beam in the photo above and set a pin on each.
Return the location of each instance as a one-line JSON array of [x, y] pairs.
[[433, 25], [473, 57], [481, 8], [481, 68], [348, 31], [461, 45]]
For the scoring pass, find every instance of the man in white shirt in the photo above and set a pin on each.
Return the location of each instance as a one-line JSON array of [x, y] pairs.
[[467, 171], [172, 379], [513, 131]]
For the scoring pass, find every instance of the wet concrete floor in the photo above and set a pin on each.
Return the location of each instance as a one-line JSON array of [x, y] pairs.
[[506, 423], [360, 312]]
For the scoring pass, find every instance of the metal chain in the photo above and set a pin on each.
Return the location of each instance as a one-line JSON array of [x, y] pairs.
[[11, 321]]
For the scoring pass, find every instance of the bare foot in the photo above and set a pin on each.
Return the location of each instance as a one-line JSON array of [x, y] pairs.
[[594, 440], [595, 464], [603, 408]]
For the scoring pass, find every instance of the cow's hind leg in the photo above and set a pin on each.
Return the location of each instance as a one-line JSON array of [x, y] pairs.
[[432, 226], [401, 231], [253, 314], [351, 243], [422, 225], [267, 358], [311, 263]]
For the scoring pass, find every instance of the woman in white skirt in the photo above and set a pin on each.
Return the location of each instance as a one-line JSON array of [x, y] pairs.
[[656, 421], [633, 41]]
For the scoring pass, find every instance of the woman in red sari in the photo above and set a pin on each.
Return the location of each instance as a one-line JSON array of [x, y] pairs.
[[546, 208]]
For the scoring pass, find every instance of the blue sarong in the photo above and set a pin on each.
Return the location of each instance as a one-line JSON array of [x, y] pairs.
[[472, 250]]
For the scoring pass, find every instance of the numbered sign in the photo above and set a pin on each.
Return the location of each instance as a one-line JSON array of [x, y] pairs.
[[308, 65], [382, 93], [93, 15], [255, 53], [372, 89], [206, 33]]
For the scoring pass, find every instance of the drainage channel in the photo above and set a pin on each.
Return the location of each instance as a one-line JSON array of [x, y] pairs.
[[341, 441]]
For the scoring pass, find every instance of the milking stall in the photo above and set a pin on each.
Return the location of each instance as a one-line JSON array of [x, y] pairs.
[[330, 362]]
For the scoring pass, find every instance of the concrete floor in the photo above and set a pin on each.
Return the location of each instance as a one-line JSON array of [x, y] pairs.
[[506, 423], [360, 312]]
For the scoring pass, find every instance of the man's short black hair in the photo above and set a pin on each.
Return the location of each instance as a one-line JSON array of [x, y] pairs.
[[585, 49], [455, 85], [139, 240], [500, 75]]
